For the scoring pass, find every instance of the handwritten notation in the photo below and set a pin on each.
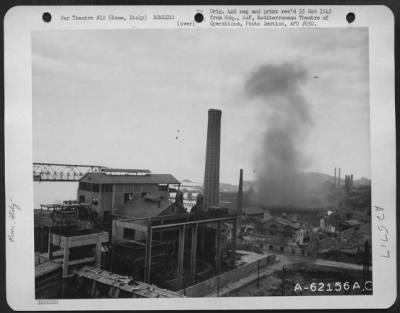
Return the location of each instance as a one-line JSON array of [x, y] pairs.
[[383, 232], [12, 216]]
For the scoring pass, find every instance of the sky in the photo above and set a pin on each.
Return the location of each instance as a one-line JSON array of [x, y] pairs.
[[117, 98]]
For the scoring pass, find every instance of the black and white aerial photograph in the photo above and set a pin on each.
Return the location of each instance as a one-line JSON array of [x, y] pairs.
[[172, 163]]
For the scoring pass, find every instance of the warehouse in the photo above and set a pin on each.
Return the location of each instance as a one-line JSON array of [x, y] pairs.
[[113, 188]]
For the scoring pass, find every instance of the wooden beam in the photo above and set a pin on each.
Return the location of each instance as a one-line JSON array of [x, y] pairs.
[[181, 253], [50, 248], [193, 254], [202, 241], [77, 241], [218, 246], [66, 257], [41, 239], [234, 234], [98, 252], [147, 259], [84, 260], [132, 225], [212, 220]]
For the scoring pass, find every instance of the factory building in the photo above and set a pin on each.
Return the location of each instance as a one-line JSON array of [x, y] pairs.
[[119, 189], [150, 237], [163, 244], [174, 251]]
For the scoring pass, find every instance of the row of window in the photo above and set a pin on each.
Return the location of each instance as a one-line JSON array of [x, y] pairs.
[[106, 188], [95, 187], [121, 188], [89, 187]]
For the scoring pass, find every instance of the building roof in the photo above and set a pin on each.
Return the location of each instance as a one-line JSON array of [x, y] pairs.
[[101, 178], [253, 210], [285, 222], [351, 222], [143, 208], [124, 170], [146, 208]]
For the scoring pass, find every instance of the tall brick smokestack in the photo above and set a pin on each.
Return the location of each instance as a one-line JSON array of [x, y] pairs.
[[240, 194], [211, 174], [339, 178], [240, 201], [334, 178]]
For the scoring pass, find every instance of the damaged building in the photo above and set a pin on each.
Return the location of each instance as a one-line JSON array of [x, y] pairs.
[[139, 230]]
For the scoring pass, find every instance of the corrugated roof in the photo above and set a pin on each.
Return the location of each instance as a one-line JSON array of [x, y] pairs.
[[101, 178], [126, 170]]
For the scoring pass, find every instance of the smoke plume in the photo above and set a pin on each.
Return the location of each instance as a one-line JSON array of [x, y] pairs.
[[288, 121]]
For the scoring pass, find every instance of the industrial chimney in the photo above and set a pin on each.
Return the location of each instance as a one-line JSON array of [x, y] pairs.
[[334, 178], [211, 174], [240, 194], [339, 178], [240, 201]]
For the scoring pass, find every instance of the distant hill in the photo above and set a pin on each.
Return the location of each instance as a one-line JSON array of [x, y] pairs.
[[363, 181], [187, 184], [308, 184], [309, 189], [315, 180]]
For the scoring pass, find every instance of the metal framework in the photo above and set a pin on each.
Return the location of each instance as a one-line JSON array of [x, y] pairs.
[[194, 227], [62, 172]]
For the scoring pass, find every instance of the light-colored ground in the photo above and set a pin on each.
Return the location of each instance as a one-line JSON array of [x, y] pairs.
[[337, 264], [283, 260], [249, 257]]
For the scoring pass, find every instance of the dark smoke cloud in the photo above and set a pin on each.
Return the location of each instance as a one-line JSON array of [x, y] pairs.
[[288, 121]]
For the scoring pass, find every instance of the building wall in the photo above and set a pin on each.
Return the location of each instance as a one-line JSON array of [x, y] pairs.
[[119, 233], [106, 201], [88, 198], [114, 196], [125, 192]]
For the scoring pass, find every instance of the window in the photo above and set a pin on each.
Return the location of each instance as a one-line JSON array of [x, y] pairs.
[[162, 187], [96, 187], [128, 188], [127, 197], [129, 233], [119, 188], [81, 199], [273, 228], [95, 201], [107, 216], [136, 188], [149, 188], [85, 186], [106, 188]]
